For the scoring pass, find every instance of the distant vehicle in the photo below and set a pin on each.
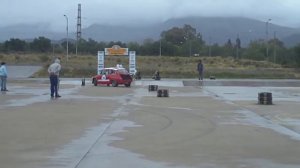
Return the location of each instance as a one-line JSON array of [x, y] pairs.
[[112, 76]]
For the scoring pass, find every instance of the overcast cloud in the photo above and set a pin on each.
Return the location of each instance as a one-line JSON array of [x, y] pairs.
[[50, 12]]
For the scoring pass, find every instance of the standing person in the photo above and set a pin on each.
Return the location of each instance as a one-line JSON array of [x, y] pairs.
[[58, 83], [53, 71], [200, 69], [3, 76]]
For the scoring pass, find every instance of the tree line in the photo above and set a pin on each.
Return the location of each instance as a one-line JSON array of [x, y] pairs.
[[178, 41]]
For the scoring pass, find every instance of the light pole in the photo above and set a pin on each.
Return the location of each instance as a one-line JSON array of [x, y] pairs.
[[275, 44], [267, 37], [190, 48], [209, 47], [67, 36], [160, 47], [238, 43], [188, 42], [189, 45]]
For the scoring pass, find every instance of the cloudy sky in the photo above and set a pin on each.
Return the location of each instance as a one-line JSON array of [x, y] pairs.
[[50, 12]]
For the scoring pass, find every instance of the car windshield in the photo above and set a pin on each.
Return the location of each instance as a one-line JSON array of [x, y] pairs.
[[122, 71]]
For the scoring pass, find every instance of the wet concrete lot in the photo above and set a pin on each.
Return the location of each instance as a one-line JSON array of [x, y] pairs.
[[217, 125]]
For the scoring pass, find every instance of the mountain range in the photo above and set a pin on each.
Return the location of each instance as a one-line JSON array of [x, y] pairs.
[[213, 29]]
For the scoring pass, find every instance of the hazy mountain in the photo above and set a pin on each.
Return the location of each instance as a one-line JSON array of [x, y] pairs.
[[291, 40], [29, 31], [219, 30], [213, 30], [121, 33]]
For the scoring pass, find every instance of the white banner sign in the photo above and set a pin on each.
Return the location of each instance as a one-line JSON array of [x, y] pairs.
[[100, 61], [132, 62]]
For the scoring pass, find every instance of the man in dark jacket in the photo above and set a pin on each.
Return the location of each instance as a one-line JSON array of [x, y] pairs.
[[200, 69]]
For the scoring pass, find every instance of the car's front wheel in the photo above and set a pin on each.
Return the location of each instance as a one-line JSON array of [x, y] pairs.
[[114, 83], [94, 82], [127, 84]]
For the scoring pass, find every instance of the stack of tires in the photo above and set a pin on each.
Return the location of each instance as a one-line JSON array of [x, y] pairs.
[[265, 98], [152, 88], [163, 93]]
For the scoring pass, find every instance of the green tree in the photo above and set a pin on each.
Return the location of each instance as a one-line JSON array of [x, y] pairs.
[[228, 49], [186, 41], [15, 45], [71, 47], [175, 36], [255, 51], [134, 46], [149, 47], [1, 47], [101, 46], [216, 50], [195, 45], [278, 53], [297, 55], [89, 46], [119, 43], [171, 50], [190, 33], [41, 44]]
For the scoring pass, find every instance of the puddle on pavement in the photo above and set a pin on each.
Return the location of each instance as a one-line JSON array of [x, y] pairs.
[[96, 141], [246, 117], [33, 95], [101, 154], [232, 93]]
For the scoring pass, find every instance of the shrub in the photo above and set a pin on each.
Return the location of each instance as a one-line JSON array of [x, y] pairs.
[[44, 58]]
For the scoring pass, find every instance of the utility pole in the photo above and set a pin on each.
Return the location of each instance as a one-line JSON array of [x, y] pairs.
[[67, 36], [52, 50], [160, 47], [238, 45], [190, 47], [78, 34], [188, 42], [267, 37], [209, 48], [275, 45]]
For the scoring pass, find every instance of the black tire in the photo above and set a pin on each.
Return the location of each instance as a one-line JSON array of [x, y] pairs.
[[114, 83], [95, 82], [127, 85]]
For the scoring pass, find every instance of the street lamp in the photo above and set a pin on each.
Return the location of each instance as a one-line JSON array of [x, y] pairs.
[[267, 37], [160, 47], [238, 45], [209, 47], [67, 36], [275, 44], [188, 42], [190, 47]]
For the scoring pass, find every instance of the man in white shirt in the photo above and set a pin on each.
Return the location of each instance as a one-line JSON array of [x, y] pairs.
[[3, 76], [53, 71]]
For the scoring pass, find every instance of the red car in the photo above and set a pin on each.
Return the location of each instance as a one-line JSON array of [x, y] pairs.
[[113, 76]]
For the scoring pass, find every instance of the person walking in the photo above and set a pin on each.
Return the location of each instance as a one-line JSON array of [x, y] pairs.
[[200, 69], [53, 71], [3, 76]]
